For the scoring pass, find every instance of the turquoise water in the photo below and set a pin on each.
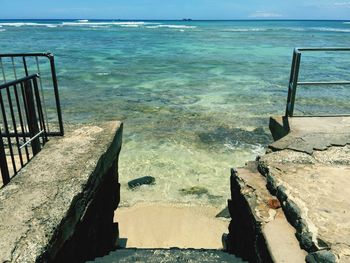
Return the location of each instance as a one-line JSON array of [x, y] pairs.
[[195, 97]]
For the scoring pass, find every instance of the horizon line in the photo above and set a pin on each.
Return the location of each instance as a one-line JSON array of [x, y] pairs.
[[184, 19]]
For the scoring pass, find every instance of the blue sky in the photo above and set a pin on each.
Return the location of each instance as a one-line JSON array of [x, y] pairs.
[[176, 9]]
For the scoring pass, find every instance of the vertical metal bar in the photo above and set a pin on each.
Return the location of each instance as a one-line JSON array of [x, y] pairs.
[[42, 94], [55, 85], [40, 110], [20, 114], [26, 72], [26, 114], [15, 73], [3, 70], [14, 123], [3, 163], [292, 72], [25, 65], [32, 119], [295, 84], [14, 67], [4, 118]]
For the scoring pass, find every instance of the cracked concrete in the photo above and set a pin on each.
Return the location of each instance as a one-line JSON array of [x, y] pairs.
[[309, 172], [308, 169], [314, 195], [306, 134]]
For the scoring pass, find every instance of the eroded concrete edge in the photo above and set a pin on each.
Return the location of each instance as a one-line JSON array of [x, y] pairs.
[[296, 213], [44, 243], [254, 211]]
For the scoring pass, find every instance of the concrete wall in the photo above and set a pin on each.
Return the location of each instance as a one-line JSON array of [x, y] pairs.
[[259, 230], [245, 237], [60, 207]]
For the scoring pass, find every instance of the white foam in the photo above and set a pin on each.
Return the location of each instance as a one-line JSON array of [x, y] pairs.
[[330, 29], [172, 26], [100, 26], [83, 20], [2, 30], [245, 29], [256, 149], [129, 25], [20, 24], [103, 73], [106, 23]]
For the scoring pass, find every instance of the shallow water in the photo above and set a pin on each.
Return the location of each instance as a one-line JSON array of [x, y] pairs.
[[195, 97]]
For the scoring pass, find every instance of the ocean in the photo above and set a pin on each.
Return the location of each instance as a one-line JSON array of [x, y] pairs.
[[195, 97]]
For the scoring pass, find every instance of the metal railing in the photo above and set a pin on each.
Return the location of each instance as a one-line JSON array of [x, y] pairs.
[[294, 75], [17, 65], [30, 108], [23, 125]]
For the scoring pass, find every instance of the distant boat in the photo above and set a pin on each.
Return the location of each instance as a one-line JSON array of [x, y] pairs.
[[187, 19]]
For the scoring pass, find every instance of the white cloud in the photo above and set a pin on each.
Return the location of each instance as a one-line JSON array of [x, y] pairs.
[[342, 4], [264, 14]]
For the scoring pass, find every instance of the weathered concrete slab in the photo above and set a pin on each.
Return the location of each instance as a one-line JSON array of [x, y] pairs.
[[259, 231], [314, 191], [63, 201], [306, 134]]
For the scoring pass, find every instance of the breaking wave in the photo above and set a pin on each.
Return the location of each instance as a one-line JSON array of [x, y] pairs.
[[20, 24], [172, 26], [330, 29]]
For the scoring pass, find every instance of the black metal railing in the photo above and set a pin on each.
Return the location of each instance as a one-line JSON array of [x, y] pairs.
[[294, 75], [23, 126], [17, 65], [30, 108]]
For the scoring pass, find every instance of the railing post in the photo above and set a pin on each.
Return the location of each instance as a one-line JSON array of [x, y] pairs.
[[55, 87], [294, 83], [292, 71], [3, 163], [32, 118]]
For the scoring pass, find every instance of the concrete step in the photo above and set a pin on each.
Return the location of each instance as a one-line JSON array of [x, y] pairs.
[[167, 255]]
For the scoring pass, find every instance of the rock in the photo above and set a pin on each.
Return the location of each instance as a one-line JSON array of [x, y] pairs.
[[194, 190], [323, 256], [224, 213], [224, 238], [273, 203], [146, 180], [222, 135]]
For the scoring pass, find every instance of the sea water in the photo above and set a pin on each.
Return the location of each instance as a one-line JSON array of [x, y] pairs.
[[195, 97]]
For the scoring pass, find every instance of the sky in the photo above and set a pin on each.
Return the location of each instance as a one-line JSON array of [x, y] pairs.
[[175, 9]]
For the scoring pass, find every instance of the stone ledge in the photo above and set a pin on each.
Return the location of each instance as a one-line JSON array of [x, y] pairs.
[[68, 187]]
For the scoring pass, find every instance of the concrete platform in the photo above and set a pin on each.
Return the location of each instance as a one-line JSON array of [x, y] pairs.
[[314, 190], [309, 172], [306, 134], [307, 169]]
